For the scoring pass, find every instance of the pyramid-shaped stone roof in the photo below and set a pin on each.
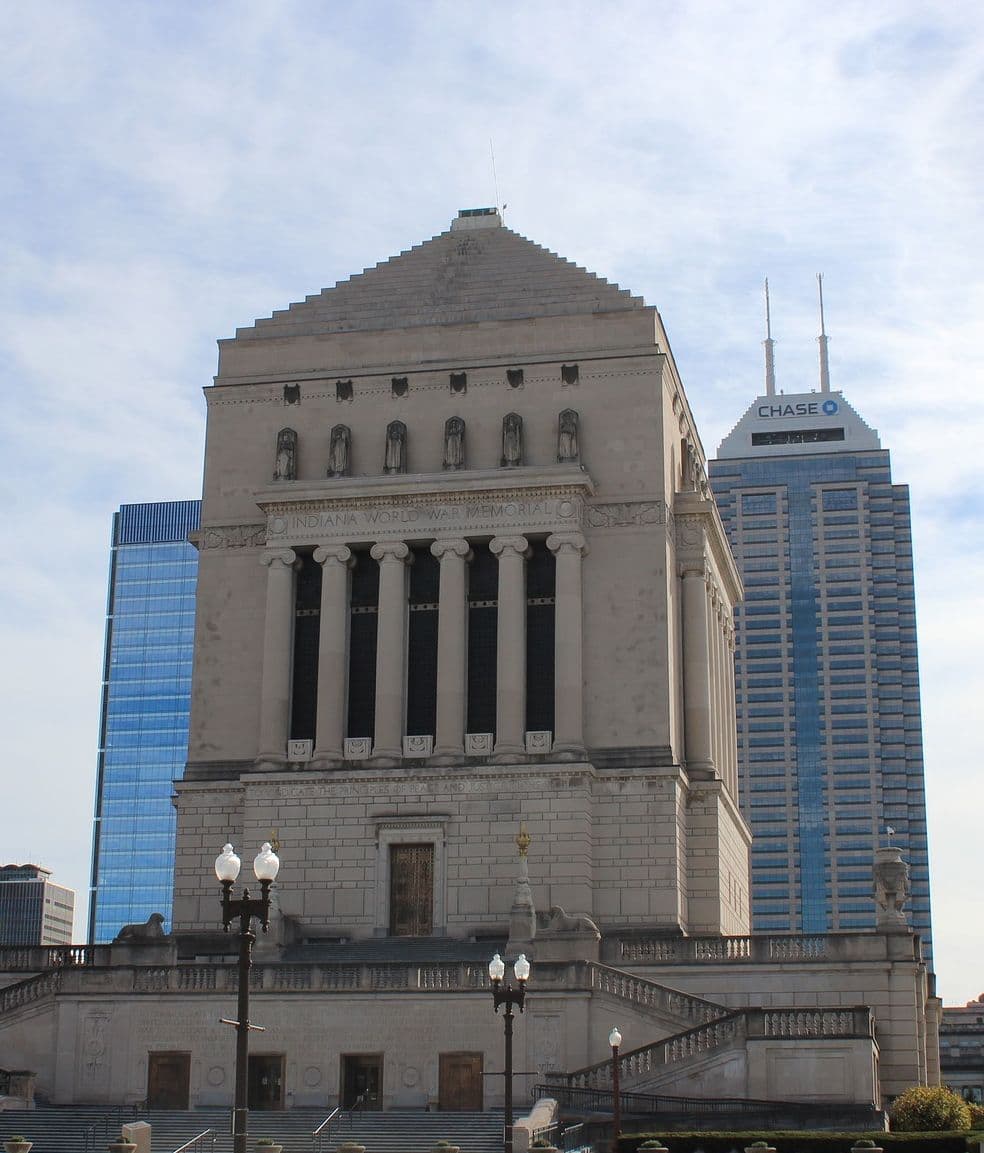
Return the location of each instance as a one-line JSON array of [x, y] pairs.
[[476, 271]]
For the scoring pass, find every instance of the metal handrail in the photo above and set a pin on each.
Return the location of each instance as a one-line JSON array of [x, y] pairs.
[[322, 1131], [115, 1115], [563, 1137], [195, 1141]]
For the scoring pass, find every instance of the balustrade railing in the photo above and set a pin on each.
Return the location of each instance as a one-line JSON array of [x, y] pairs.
[[790, 1024], [40, 958], [651, 995], [33, 989], [642, 949]]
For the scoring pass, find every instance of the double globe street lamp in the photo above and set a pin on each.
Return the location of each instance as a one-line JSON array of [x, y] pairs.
[[508, 996], [266, 865], [615, 1040]]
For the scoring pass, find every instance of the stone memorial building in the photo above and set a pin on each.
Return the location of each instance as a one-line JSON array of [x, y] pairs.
[[461, 578]]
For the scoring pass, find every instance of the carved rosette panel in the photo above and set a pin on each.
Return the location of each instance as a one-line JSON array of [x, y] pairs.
[[232, 536], [628, 514]]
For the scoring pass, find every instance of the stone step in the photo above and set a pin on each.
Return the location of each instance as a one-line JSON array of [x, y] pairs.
[[87, 1129]]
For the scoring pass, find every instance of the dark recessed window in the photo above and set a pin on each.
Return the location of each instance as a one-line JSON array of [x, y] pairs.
[[515, 377], [343, 390], [400, 385], [798, 436], [459, 382]]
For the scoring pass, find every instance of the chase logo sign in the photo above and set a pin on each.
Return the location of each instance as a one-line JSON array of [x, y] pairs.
[[800, 408]]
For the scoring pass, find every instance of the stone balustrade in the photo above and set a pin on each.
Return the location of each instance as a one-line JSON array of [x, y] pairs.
[[748, 1024]]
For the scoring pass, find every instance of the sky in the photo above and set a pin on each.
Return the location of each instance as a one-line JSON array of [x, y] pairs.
[[170, 172]]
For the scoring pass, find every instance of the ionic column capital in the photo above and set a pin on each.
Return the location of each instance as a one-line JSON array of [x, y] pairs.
[[559, 542], [339, 553], [696, 567], [501, 545], [451, 547], [389, 550], [285, 556]]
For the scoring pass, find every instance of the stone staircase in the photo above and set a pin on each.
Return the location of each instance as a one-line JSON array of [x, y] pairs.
[[87, 1129]]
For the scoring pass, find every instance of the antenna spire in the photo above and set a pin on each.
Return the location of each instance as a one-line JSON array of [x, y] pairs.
[[770, 345], [822, 341], [500, 208]]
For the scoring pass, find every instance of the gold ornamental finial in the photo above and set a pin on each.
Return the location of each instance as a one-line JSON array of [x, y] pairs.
[[523, 839]]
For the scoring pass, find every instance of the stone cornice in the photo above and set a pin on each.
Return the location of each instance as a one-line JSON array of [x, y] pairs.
[[224, 387]]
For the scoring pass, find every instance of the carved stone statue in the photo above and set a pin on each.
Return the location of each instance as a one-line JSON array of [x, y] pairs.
[[557, 921], [396, 447], [286, 464], [690, 466], [339, 451], [454, 443], [150, 930], [568, 450], [512, 440], [891, 888]]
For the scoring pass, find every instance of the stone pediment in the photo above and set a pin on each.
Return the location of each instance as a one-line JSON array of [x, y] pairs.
[[481, 503], [480, 273]]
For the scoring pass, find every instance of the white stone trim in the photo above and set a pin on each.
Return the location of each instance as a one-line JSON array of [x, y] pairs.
[[299, 751], [424, 830], [478, 744], [539, 740], [418, 746], [358, 748]]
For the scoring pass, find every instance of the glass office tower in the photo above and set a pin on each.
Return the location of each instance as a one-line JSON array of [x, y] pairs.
[[146, 696], [827, 677], [33, 909]]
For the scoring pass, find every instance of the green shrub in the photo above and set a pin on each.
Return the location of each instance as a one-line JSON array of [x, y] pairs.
[[976, 1115], [925, 1108]]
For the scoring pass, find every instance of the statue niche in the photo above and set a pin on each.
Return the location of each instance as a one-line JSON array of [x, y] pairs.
[[454, 443], [395, 460], [512, 440], [340, 451], [568, 449], [285, 467]]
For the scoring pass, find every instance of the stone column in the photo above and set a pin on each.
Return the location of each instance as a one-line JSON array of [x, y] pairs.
[[510, 663], [278, 652], [714, 659], [729, 656], [696, 662], [452, 648], [335, 561], [391, 647], [568, 741]]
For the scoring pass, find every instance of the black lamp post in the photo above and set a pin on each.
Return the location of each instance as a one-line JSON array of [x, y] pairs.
[[615, 1039], [227, 866], [508, 996]]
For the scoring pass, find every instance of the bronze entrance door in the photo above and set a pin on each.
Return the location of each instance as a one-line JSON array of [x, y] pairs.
[[411, 890], [168, 1080], [362, 1080], [461, 1081], [266, 1081]]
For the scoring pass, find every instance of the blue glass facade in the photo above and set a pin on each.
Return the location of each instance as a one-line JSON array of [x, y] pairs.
[[827, 682], [146, 696]]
